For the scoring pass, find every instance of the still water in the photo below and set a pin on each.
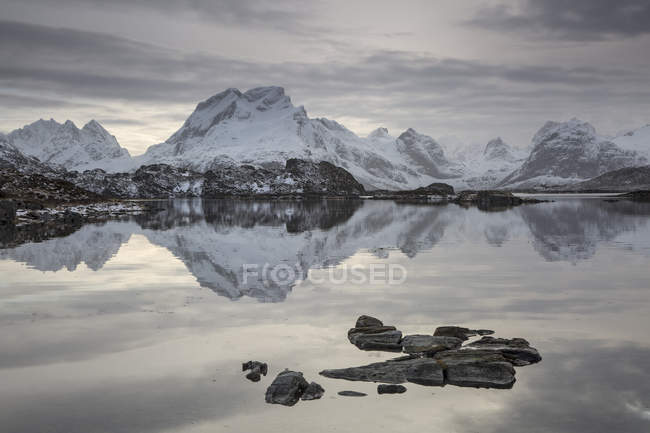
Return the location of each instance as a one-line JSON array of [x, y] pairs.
[[142, 325]]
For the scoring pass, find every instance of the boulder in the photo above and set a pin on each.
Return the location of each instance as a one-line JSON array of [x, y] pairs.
[[287, 388], [391, 389], [257, 369], [313, 392], [454, 331], [429, 344], [370, 333], [516, 350], [367, 321]]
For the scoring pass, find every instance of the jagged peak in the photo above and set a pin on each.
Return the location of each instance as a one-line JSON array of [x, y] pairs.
[[411, 135], [380, 132]]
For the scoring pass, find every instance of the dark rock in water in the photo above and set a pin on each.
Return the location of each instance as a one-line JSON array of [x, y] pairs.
[[287, 388], [516, 350], [467, 356], [257, 369], [313, 392], [368, 321], [425, 371], [370, 333], [476, 368], [7, 212], [429, 343], [484, 332], [454, 331], [388, 340], [352, 394], [481, 375], [391, 389]]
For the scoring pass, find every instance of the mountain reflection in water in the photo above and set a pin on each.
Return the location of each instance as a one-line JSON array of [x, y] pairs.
[[215, 239]]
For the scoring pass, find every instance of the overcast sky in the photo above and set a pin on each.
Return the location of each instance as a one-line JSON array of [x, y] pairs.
[[470, 69]]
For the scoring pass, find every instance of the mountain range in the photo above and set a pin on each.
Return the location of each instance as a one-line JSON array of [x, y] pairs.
[[262, 128]]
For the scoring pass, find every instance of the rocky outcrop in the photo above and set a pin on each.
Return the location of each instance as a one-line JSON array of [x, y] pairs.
[[163, 181], [36, 187], [287, 388], [438, 360], [490, 200]]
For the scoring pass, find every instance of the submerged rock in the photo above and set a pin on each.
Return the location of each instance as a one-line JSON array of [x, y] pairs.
[[352, 394], [313, 392], [391, 389], [516, 350], [257, 369], [424, 371], [287, 388], [429, 344]]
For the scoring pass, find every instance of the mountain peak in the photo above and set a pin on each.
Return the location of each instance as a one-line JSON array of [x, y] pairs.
[[379, 133]]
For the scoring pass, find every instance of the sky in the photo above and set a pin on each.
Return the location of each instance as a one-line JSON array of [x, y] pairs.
[[459, 71]]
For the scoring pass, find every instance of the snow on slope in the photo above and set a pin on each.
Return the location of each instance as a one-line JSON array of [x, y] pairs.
[[569, 152], [485, 166], [262, 127], [637, 140], [72, 148]]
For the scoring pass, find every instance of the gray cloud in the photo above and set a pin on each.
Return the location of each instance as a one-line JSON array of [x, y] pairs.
[[575, 19], [397, 88]]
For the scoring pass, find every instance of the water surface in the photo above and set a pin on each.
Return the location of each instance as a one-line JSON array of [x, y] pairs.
[[141, 325]]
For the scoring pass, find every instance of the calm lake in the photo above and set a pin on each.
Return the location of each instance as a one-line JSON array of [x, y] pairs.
[[141, 325]]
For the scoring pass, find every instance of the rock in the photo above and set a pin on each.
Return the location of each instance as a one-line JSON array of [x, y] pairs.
[[454, 331], [257, 369], [287, 388], [313, 392], [481, 375], [391, 389], [484, 332], [7, 212], [467, 356], [429, 343], [352, 394], [368, 321], [424, 371], [516, 350], [370, 333], [388, 340]]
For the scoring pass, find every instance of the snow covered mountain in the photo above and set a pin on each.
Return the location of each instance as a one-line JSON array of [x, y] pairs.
[[12, 158], [485, 167], [637, 140], [569, 152], [72, 148], [262, 127]]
